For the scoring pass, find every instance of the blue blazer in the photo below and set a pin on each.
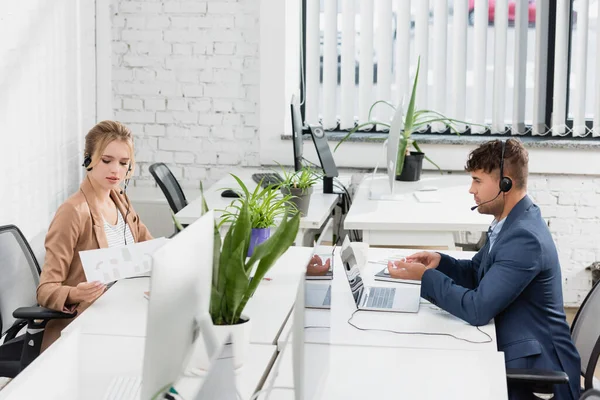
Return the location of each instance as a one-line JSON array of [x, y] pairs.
[[518, 283]]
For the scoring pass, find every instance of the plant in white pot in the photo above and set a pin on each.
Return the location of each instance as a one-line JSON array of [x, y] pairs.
[[410, 163], [299, 185], [232, 281], [265, 207]]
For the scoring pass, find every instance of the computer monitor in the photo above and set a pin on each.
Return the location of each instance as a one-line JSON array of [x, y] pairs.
[[179, 296], [296, 133]]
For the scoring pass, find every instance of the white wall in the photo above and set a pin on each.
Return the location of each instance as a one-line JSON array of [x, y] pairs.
[[185, 79], [46, 102]]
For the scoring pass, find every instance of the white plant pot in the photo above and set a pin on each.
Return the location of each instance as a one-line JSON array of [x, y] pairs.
[[240, 339]]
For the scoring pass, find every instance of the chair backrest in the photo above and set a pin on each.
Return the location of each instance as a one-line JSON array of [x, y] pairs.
[[169, 186], [591, 394], [19, 272], [585, 329]]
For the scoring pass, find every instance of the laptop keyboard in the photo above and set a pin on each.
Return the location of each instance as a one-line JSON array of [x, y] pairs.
[[380, 297], [124, 388], [267, 178], [327, 300]]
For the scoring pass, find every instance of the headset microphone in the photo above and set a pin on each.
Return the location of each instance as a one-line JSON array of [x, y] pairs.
[[485, 202]]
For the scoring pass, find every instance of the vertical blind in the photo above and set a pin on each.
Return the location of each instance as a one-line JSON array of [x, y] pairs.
[[485, 63]]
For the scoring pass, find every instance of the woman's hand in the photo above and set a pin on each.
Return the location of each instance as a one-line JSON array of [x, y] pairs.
[[86, 291]]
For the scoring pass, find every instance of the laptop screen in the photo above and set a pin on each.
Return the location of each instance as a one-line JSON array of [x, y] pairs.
[[352, 273]]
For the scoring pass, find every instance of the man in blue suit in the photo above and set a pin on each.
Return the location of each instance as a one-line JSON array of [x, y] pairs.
[[515, 278]]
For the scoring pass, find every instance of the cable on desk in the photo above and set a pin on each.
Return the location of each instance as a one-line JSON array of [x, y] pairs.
[[317, 327], [489, 340]]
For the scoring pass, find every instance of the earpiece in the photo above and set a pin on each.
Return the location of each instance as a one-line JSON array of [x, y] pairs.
[[505, 181], [87, 160]]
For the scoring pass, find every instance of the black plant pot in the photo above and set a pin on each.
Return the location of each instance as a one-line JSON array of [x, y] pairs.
[[413, 165]]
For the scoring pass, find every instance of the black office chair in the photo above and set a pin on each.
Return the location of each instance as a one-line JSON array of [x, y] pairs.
[[592, 394], [20, 273], [169, 186], [585, 332]]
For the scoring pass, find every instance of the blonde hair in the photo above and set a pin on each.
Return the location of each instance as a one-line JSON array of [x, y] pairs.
[[104, 133]]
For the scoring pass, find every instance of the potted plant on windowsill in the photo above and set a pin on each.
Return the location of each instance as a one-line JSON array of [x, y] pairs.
[[299, 185], [232, 281], [265, 207], [410, 163]]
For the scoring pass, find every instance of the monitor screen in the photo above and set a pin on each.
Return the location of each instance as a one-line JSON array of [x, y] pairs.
[[296, 132]]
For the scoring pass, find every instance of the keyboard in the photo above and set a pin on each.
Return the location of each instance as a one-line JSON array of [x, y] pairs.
[[381, 297], [267, 179], [327, 300], [124, 388]]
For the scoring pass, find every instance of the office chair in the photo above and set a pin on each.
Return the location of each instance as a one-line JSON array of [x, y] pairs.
[[592, 394], [20, 273], [169, 186], [585, 332]]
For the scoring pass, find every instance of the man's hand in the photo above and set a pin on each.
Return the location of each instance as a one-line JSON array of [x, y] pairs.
[[316, 267], [406, 270], [86, 291], [427, 258]]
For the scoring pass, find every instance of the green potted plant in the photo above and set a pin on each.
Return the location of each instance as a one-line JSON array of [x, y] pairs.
[[265, 207], [299, 185], [410, 163], [232, 281]]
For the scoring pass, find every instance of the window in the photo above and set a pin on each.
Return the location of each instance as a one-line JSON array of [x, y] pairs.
[[502, 64]]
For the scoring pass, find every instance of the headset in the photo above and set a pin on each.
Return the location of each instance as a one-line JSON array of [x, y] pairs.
[[87, 160], [505, 181]]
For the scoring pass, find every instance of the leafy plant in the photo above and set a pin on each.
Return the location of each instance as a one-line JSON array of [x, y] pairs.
[[302, 179], [265, 206], [414, 121], [231, 286]]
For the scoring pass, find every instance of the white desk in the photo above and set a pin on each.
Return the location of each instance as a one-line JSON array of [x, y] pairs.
[[409, 222], [429, 319], [319, 210], [122, 310], [81, 366], [398, 373]]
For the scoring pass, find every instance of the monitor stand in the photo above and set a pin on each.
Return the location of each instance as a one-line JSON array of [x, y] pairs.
[[327, 184], [384, 194]]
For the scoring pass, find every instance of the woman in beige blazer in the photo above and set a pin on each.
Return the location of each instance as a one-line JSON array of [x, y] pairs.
[[97, 216]]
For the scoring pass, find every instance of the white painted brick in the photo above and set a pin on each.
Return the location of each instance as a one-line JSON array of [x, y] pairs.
[[224, 48], [246, 49], [165, 75], [566, 183], [246, 133], [228, 158], [117, 103], [543, 197], [177, 104], [135, 22], [206, 157], [163, 156], [251, 78], [232, 119], [185, 7], [135, 116], [137, 35], [200, 105], [250, 120], [147, 143], [122, 74], [194, 172], [215, 7], [157, 22], [206, 75], [590, 199], [120, 47], [154, 104], [155, 130], [183, 49], [182, 36], [585, 212], [188, 131], [568, 198], [185, 117], [222, 132], [224, 91], [136, 129], [244, 106], [218, 61], [144, 155], [193, 91], [142, 61], [132, 104], [252, 92], [222, 105], [184, 158], [210, 119], [170, 89], [180, 144], [164, 117], [185, 62], [251, 160], [227, 76], [245, 21], [144, 74], [138, 89], [139, 7], [590, 227], [187, 76], [203, 47], [118, 21]]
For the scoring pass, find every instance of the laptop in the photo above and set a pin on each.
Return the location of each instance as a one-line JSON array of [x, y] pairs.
[[392, 299], [317, 295]]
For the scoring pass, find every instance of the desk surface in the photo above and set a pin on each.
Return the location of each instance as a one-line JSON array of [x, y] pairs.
[[122, 310], [430, 319], [318, 211], [451, 213], [91, 361], [398, 373]]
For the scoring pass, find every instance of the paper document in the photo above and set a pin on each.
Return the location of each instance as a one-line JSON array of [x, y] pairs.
[[114, 263]]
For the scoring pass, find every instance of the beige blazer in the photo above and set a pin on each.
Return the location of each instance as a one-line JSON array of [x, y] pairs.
[[78, 225]]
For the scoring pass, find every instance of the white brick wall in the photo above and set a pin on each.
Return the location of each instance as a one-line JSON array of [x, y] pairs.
[[185, 78], [43, 107]]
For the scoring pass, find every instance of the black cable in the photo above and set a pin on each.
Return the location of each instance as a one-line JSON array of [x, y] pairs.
[[316, 327], [419, 333], [126, 212]]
